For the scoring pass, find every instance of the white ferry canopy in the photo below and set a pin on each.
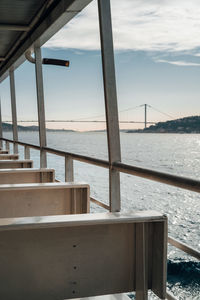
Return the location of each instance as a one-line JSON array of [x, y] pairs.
[[24, 24]]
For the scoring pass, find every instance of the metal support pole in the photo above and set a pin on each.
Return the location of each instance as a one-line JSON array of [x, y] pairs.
[[69, 169], [110, 95], [1, 128], [145, 116], [14, 110], [40, 106]]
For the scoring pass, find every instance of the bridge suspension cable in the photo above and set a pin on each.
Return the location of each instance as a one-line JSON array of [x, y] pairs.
[[169, 116], [99, 116]]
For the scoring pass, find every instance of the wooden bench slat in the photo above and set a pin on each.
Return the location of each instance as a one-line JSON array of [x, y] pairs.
[[9, 156], [15, 164], [39, 199], [4, 152], [29, 175], [80, 220]]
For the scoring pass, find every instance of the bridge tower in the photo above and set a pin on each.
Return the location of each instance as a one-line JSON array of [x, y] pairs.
[[145, 115]]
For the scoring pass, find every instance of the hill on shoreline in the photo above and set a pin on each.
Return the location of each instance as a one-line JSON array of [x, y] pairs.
[[184, 125], [8, 127]]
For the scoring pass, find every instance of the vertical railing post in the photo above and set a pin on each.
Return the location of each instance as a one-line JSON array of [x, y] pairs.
[[7, 145], [69, 169], [26, 152], [1, 128], [14, 111], [110, 95], [40, 106]]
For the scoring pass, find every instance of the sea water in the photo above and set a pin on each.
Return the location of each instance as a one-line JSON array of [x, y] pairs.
[[173, 153]]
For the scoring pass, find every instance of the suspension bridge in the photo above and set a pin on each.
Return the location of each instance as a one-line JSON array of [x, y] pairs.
[[92, 118]]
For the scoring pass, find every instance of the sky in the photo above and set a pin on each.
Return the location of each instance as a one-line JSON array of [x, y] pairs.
[[157, 61]]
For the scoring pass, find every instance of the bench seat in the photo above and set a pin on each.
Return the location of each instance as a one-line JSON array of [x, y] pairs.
[[29, 175], [4, 152], [75, 256], [9, 156], [42, 199], [15, 164]]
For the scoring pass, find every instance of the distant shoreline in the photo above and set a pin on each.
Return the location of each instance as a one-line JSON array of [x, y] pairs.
[[104, 131], [187, 125]]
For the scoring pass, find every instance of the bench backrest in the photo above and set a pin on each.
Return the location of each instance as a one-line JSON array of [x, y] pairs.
[[15, 164], [43, 199], [4, 151], [9, 156], [13, 176], [79, 256]]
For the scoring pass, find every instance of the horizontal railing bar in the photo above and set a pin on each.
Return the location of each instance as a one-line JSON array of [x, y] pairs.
[[185, 248], [99, 203], [22, 143], [86, 159], [82, 158], [174, 180]]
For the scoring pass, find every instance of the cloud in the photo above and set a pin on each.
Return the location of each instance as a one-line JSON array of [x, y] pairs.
[[147, 25], [179, 63]]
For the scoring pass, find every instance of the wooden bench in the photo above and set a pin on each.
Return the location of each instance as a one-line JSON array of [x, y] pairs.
[[30, 175], [15, 164], [43, 199], [4, 151], [64, 257], [9, 156]]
